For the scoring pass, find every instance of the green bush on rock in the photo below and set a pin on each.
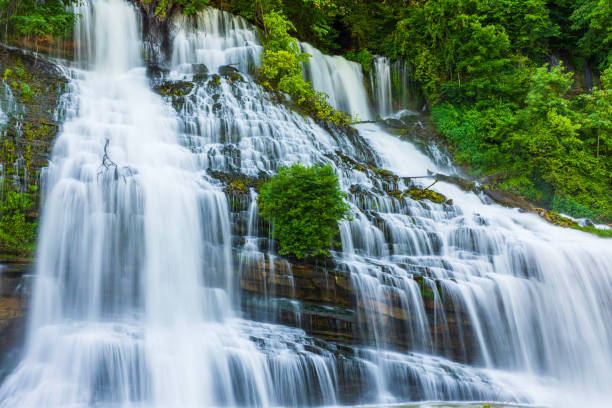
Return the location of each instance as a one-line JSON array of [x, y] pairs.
[[304, 205]]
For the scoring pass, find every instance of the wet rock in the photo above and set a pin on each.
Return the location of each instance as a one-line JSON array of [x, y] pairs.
[[35, 87], [215, 81], [395, 123], [200, 72], [230, 73], [507, 199], [555, 218], [14, 297], [156, 73], [425, 194], [225, 70], [464, 184], [175, 89]]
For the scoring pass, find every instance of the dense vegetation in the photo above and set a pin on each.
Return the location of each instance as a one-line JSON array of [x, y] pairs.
[[36, 18], [504, 111], [303, 205], [19, 145]]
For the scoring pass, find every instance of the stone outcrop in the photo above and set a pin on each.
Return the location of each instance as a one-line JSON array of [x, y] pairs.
[[322, 300], [14, 297]]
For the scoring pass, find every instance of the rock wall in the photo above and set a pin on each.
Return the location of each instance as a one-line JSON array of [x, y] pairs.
[[30, 92]]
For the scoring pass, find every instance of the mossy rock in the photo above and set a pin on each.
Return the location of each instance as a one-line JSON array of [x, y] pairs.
[[238, 183], [395, 194], [394, 123], [227, 70], [425, 194], [200, 72], [237, 186], [351, 162], [215, 81], [556, 219], [156, 72], [199, 69], [384, 173], [175, 89], [230, 73]]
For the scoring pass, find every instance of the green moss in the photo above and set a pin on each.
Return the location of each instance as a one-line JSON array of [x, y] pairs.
[[174, 89], [555, 218], [592, 230], [237, 186], [396, 194], [427, 293], [237, 182], [17, 229], [425, 194], [384, 173]]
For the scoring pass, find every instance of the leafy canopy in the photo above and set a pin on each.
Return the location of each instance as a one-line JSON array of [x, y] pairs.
[[36, 18]]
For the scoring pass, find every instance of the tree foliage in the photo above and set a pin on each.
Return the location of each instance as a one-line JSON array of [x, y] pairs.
[[36, 17], [304, 206]]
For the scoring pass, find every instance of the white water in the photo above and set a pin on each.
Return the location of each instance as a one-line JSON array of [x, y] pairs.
[[135, 301], [216, 39], [380, 81], [339, 78]]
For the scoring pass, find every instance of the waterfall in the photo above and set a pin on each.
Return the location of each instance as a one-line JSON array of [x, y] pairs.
[[216, 39], [340, 79], [149, 267], [380, 79]]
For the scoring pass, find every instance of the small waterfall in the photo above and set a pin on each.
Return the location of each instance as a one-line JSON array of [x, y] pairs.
[[149, 266], [9, 106], [3, 118], [380, 80], [216, 39], [340, 79]]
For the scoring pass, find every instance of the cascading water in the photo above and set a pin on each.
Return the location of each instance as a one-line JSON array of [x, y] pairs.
[[340, 79], [136, 300], [380, 80]]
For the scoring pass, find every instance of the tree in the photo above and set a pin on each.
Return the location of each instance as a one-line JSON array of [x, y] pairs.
[[598, 112]]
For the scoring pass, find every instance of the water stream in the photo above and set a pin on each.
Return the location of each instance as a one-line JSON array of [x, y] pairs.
[[137, 300]]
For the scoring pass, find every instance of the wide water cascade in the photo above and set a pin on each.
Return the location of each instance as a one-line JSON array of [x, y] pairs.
[[143, 294]]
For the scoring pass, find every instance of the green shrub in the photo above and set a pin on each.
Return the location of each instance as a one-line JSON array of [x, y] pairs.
[[304, 205], [364, 57], [17, 233]]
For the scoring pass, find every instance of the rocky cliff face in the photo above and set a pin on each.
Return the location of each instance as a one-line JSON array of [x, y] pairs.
[[14, 296], [30, 92]]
